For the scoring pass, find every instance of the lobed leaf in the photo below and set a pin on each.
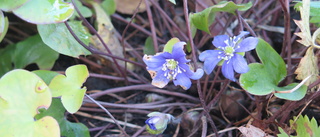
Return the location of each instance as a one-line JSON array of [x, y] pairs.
[[69, 87], [303, 24], [262, 79], [304, 127]]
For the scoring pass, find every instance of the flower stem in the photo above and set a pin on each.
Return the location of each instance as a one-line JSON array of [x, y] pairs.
[[206, 110]]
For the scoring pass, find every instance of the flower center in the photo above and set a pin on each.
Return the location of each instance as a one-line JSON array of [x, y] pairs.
[[171, 69], [229, 50], [171, 64]]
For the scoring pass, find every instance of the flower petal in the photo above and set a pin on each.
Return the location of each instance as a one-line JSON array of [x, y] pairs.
[[227, 70], [219, 41], [209, 54], [242, 34], [177, 50], [152, 121], [197, 75], [183, 81], [247, 44], [160, 80], [155, 62], [209, 64], [182, 60], [239, 64]]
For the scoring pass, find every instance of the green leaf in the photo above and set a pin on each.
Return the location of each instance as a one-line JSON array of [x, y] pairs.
[[8, 5], [169, 45], [85, 11], [202, 20], [46, 11], [294, 96], [6, 56], [314, 10], [4, 25], [304, 127], [22, 94], [262, 79], [148, 47], [67, 129], [282, 133], [109, 6], [60, 39], [46, 75], [69, 87], [31, 50]]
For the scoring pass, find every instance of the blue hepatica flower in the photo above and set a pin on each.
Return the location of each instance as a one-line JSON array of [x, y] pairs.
[[158, 122], [228, 52], [166, 66]]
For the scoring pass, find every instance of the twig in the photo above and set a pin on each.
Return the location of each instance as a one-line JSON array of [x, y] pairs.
[[99, 37], [287, 35], [110, 115], [203, 103], [106, 119], [153, 30], [204, 126]]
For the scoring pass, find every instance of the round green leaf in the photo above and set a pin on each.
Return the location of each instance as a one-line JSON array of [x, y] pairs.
[[22, 94], [69, 87], [8, 5], [45, 11], [263, 78], [60, 39]]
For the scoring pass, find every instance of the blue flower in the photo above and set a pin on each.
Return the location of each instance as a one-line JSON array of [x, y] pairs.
[[158, 122], [166, 66], [229, 52]]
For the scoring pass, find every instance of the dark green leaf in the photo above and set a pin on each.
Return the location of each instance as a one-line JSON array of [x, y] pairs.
[[202, 20], [31, 50], [109, 6], [148, 47]]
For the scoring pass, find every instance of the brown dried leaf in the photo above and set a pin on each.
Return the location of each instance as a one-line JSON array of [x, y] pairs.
[[129, 6], [308, 66], [252, 131], [303, 24], [107, 33]]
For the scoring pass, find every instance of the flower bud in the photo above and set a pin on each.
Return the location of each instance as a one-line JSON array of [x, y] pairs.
[[157, 122]]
